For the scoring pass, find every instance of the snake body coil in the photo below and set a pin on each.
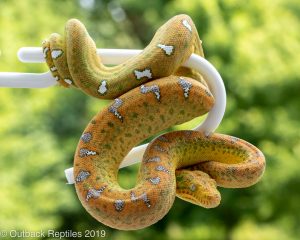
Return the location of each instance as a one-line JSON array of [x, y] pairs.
[[152, 92]]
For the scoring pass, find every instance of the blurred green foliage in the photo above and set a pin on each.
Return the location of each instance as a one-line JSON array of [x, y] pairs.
[[254, 44]]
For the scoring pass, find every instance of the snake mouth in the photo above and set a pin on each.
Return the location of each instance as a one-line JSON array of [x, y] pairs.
[[206, 201]]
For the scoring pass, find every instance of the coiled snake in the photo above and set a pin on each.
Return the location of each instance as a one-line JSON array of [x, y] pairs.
[[152, 92]]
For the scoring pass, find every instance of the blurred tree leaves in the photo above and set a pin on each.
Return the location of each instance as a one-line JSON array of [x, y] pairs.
[[255, 45]]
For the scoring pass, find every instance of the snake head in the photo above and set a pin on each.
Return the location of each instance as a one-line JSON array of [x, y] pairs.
[[198, 188]]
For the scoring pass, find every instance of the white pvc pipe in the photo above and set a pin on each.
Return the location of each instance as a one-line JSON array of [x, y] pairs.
[[108, 56], [26, 80], [117, 56]]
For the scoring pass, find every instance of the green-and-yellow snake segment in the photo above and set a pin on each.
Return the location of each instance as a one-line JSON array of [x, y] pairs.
[[152, 92]]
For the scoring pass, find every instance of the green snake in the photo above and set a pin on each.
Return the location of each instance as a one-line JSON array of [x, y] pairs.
[[150, 93]]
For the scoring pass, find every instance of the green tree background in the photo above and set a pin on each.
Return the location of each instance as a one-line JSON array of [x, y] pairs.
[[254, 44]]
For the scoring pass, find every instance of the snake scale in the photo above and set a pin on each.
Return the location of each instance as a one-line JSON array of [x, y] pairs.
[[150, 93]]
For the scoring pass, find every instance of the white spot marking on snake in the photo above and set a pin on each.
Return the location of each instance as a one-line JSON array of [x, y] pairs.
[[94, 193], [168, 49], [143, 197], [83, 152], [133, 197], [186, 86], [145, 73], [153, 88], [68, 81], [114, 108], [146, 199], [86, 137], [153, 159], [155, 180], [53, 69], [187, 25], [119, 205], [82, 175], [103, 87], [56, 53], [162, 169]]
